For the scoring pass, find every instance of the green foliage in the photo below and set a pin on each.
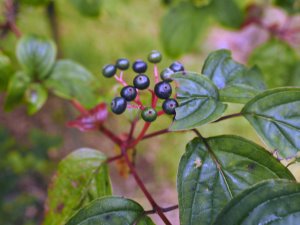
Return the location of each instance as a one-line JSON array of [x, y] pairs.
[[35, 2], [236, 82], [71, 80], [36, 55], [198, 100], [111, 210], [89, 8], [16, 90], [180, 28], [270, 54], [81, 177], [270, 202], [275, 115], [6, 71], [36, 96], [213, 172]]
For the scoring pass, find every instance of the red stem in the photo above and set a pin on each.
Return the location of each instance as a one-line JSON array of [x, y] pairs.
[[227, 117], [143, 188], [156, 133], [111, 136], [79, 107], [141, 135]]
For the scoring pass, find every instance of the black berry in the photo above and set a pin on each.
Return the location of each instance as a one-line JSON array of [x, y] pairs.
[[139, 66], [154, 56], [176, 67], [169, 106], [129, 93], [141, 82], [163, 90], [109, 70], [118, 105], [149, 114], [166, 74], [122, 64]]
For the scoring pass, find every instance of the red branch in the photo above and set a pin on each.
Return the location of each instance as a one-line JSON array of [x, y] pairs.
[[10, 15]]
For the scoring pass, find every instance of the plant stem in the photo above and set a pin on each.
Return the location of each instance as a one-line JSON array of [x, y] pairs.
[[228, 117], [143, 188], [156, 133], [141, 135], [11, 9], [111, 136], [54, 25], [79, 107], [114, 158]]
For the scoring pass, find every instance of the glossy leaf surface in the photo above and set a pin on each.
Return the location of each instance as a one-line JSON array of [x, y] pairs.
[[237, 83], [273, 202], [209, 177], [198, 100], [110, 211], [180, 28], [16, 90], [36, 96], [88, 7], [277, 60], [70, 80], [275, 115], [81, 177], [36, 55]]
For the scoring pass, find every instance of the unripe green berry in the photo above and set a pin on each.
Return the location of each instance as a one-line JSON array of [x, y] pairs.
[[109, 70], [166, 74], [149, 114], [122, 64], [154, 56]]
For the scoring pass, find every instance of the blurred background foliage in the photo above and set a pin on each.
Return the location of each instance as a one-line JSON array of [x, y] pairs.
[[94, 33]]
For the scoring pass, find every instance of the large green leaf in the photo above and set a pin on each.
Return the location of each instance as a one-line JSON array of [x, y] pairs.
[[228, 13], [180, 28], [88, 7], [36, 55], [36, 95], [16, 90], [111, 211], [70, 80], [35, 2], [6, 71], [273, 202], [198, 101], [290, 5], [237, 83], [81, 177], [277, 60], [211, 174], [275, 115]]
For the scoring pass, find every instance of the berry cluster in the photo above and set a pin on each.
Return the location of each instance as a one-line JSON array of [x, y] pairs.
[[130, 93]]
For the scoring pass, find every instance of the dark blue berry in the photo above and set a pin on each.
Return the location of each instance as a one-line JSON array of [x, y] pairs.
[[154, 56], [118, 105], [109, 70], [166, 74], [149, 114], [122, 64], [176, 67], [129, 93], [163, 90], [139, 66], [141, 82], [169, 106]]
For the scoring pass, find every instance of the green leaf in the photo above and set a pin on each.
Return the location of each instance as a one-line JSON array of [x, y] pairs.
[[6, 71], [89, 8], [237, 83], [70, 80], [275, 115], [208, 178], [277, 61], [180, 28], [273, 202], [35, 2], [110, 210], [198, 100], [290, 5], [81, 177], [16, 90], [36, 55], [228, 13], [36, 96]]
